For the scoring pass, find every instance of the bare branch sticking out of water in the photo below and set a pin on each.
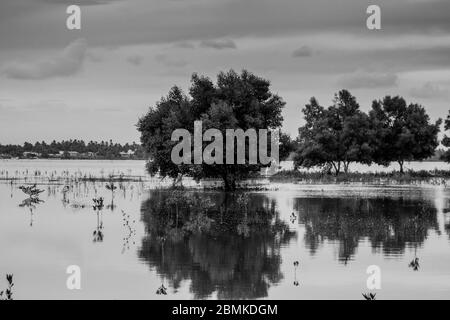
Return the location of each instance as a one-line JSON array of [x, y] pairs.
[[7, 295]]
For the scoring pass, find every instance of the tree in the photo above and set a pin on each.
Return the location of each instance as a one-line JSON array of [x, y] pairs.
[[446, 140], [336, 136], [237, 101], [402, 132], [287, 146]]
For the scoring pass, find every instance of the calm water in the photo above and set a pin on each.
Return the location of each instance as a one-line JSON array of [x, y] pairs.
[[245, 245]]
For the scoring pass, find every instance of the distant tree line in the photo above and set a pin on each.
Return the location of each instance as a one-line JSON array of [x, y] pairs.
[[102, 150]]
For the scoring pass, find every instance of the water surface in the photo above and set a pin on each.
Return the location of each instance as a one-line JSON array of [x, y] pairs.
[[243, 247]]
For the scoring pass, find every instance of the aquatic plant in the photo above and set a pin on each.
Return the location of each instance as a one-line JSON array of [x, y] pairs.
[[31, 191], [130, 231], [98, 204], [414, 264], [98, 207], [161, 290], [293, 217], [296, 265], [65, 190], [111, 187], [434, 177], [369, 296], [98, 234], [31, 203], [8, 293]]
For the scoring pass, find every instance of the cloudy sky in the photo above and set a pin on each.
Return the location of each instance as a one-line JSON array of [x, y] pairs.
[[96, 82]]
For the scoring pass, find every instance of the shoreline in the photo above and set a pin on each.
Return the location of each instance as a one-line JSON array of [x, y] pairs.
[[71, 159], [254, 185]]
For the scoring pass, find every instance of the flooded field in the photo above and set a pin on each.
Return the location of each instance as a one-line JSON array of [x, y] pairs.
[[295, 242]]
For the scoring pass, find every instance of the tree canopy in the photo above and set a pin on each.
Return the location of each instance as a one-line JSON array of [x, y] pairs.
[[341, 134], [236, 101], [402, 132], [446, 140], [334, 136]]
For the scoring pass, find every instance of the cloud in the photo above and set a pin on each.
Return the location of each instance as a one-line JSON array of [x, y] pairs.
[[65, 64], [80, 2], [135, 60], [219, 44], [185, 45], [304, 51], [194, 20], [170, 62], [365, 79], [429, 91]]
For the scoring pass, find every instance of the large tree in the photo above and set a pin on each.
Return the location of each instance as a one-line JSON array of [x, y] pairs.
[[402, 132], [335, 136], [237, 101], [446, 140]]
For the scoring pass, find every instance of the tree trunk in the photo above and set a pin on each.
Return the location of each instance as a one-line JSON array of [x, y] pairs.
[[400, 162], [176, 224], [346, 164], [336, 168], [230, 183]]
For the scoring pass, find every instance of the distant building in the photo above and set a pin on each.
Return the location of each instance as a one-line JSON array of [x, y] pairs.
[[88, 155], [127, 154], [31, 155], [71, 154]]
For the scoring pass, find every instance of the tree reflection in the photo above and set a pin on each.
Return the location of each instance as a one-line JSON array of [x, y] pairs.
[[389, 224], [447, 225], [224, 244]]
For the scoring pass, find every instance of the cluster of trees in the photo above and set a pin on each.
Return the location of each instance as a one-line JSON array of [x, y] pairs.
[[392, 131], [446, 140], [107, 150], [333, 137]]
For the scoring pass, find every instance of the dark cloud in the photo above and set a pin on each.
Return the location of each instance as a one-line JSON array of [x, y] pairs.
[[170, 62], [303, 51], [11, 9], [219, 44], [185, 45], [80, 2], [415, 16], [156, 21], [369, 80], [65, 64]]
